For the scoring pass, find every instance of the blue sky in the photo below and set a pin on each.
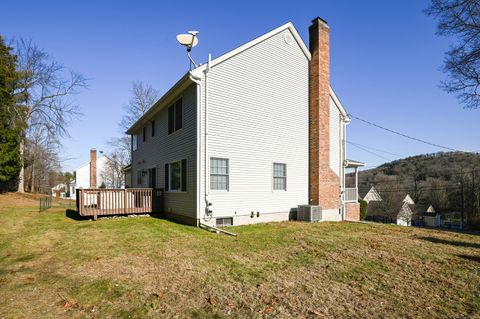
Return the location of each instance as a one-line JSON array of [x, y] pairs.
[[385, 61]]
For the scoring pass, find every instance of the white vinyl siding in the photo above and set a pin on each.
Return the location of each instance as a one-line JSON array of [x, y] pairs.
[[279, 176], [335, 138], [164, 148], [258, 115], [218, 173]]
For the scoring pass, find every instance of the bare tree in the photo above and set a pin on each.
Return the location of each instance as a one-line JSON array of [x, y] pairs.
[[461, 19], [143, 97], [44, 94]]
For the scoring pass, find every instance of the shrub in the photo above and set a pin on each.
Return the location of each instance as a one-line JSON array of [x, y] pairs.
[[363, 209]]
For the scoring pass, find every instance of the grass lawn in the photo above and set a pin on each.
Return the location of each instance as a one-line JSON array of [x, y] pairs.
[[54, 266]]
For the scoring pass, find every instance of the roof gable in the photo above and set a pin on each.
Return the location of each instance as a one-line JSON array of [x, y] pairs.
[[287, 26]]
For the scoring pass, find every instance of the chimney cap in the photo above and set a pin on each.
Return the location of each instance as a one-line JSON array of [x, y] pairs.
[[321, 20]]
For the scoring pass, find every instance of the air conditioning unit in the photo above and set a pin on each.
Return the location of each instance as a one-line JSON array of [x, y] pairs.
[[309, 213]]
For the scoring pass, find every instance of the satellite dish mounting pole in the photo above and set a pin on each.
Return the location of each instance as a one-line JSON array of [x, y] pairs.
[[189, 41]]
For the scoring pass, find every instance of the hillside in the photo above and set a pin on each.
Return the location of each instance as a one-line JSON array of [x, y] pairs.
[[436, 179]]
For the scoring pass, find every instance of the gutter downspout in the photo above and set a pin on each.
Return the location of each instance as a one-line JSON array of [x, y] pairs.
[[346, 121], [198, 81], [205, 180]]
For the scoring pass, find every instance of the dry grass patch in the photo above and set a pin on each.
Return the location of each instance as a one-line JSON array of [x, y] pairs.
[[53, 266]]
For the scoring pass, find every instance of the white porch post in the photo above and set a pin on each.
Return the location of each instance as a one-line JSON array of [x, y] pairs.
[[356, 181]]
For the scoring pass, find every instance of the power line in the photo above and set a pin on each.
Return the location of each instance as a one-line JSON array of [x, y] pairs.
[[373, 153], [404, 135], [375, 149]]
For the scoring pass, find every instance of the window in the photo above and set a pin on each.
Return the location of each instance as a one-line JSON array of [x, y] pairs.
[[134, 142], [222, 222], [279, 176], [153, 127], [175, 117], [176, 176], [219, 173], [144, 134], [139, 177]]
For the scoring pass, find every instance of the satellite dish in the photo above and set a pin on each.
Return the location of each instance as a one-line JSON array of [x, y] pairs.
[[189, 40]]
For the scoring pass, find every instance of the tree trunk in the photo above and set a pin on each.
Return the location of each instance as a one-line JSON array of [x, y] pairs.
[[32, 185], [21, 176]]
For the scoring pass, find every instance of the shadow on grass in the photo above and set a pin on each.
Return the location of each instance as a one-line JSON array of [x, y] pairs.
[[451, 242], [73, 214], [471, 258]]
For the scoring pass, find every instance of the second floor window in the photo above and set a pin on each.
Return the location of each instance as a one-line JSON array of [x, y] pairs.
[[175, 117], [153, 127], [134, 142], [144, 134]]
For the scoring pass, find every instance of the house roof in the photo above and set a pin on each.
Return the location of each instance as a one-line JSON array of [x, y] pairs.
[[185, 80], [352, 163], [381, 208], [373, 191]]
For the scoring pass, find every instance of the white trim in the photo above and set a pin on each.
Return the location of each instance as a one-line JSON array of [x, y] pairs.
[[256, 41], [339, 105]]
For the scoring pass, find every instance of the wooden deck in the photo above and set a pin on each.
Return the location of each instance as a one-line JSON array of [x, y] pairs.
[[100, 201]]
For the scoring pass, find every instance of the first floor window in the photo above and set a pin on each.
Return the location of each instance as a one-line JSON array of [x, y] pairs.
[[218, 173], [176, 176], [279, 176], [139, 178]]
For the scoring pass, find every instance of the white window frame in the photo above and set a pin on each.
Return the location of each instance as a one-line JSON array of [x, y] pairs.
[[283, 177], [227, 175]]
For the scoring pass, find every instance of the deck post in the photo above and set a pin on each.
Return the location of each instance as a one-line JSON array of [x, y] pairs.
[[124, 200]]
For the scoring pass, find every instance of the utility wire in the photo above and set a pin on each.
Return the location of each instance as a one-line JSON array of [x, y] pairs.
[[375, 149], [404, 135], [368, 151]]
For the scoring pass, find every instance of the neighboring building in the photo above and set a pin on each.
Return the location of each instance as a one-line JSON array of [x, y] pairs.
[[59, 190], [94, 174], [401, 213], [372, 195], [250, 135], [127, 171]]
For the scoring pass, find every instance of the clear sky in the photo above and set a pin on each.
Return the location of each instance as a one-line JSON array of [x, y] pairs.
[[385, 61]]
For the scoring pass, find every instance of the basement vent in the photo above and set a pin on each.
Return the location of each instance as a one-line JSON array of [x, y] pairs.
[[309, 213], [222, 222]]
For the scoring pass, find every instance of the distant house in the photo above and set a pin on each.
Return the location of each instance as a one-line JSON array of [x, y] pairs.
[[249, 136], [94, 174], [400, 213], [59, 190], [372, 195]]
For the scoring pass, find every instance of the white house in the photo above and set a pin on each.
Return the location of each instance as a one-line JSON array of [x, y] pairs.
[[96, 173], [249, 136]]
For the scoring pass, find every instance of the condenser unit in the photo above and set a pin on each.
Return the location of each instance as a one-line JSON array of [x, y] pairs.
[[309, 213]]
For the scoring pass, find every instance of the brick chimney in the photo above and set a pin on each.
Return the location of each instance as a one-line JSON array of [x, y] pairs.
[[93, 168], [324, 184]]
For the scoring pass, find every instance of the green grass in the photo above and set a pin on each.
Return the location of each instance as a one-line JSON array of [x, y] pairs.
[[53, 266]]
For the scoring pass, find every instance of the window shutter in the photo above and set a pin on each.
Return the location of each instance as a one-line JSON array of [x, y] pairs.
[[184, 175], [171, 119], [178, 115], [166, 177]]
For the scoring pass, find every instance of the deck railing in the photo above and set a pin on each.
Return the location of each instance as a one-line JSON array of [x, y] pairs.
[[351, 194], [100, 201]]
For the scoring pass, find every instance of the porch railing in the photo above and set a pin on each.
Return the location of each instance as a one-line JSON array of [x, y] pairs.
[[351, 194], [99, 201]]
